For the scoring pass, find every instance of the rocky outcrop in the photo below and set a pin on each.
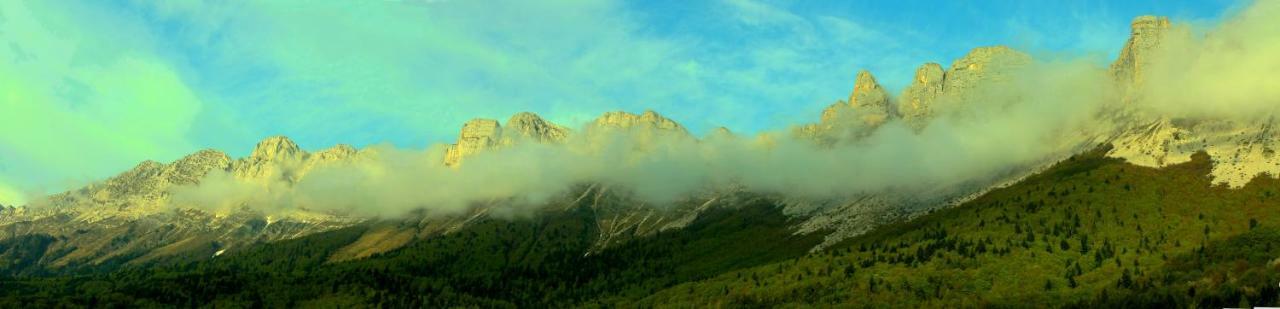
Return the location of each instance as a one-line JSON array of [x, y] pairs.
[[867, 108], [340, 153], [529, 126], [271, 160], [869, 101], [193, 167], [982, 66], [1145, 36], [477, 135], [649, 120], [480, 134], [916, 103], [1241, 149], [131, 217]]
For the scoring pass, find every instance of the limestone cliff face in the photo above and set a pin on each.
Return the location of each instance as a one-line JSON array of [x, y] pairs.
[[982, 65], [932, 87], [270, 160], [869, 101], [867, 108], [916, 101], [193, 167], [1146, 33], [529, 126], [1241, 149], [337, 154], [647, 120], [479, 135]]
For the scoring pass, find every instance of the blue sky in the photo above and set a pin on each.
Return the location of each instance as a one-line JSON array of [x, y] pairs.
[[93, 87]]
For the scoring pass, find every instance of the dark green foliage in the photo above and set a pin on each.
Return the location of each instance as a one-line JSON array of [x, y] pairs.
[[1047, 241]]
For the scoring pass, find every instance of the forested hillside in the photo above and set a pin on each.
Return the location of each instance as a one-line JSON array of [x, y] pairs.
[[1090, 232]]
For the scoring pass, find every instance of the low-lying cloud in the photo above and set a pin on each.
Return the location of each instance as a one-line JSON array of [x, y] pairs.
[[1041, 112]]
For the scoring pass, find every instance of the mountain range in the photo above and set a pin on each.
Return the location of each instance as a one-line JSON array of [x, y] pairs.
[[603, 244]]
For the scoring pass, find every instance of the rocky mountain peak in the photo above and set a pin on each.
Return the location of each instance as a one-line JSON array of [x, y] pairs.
[[649, 120], [721, 132], [477, 135], [916, 101], [867, 92], [336, 153], [1146, 33], [192, 167], [530, 126], [982, 65], [276, 148]]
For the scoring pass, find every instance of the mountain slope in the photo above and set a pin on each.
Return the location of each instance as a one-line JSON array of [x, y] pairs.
[[1089, 231], [537, 261]]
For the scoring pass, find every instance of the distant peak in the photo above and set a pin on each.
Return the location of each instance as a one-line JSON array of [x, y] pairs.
[[204, 156], [532, 126], [870, 98], [480, 127], [1149, 22], [275, 147], [929, 71], [524, 117], [864, 76], [648, 119], [1147, 33], [994, 52]]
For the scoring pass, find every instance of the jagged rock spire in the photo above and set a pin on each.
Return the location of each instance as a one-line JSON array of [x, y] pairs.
[[869, 101], [477, 135], [867, 92], [1146, 33], [530, 126], [916, 102], [275, 148], [866, 109]]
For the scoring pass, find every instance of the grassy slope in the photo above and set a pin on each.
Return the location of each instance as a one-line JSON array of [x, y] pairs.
[[1066, 237]]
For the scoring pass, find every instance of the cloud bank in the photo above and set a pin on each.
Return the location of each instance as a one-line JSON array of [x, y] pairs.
[[1045, 110]]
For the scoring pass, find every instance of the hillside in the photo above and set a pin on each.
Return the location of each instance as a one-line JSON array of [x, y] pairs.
[[491, 263], [1089, 232]]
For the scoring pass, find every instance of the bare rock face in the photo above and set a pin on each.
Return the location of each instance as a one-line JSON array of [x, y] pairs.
[[477, 135], [529, 126], [869, 101], [193, 167], [980, 66], [647, 120], [270, 160], [916, 101], [1146, 34], [1241, 149], [866, 109], [340, 153]]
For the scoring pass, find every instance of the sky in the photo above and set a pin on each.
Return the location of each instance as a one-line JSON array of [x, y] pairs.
[[91, 88]]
